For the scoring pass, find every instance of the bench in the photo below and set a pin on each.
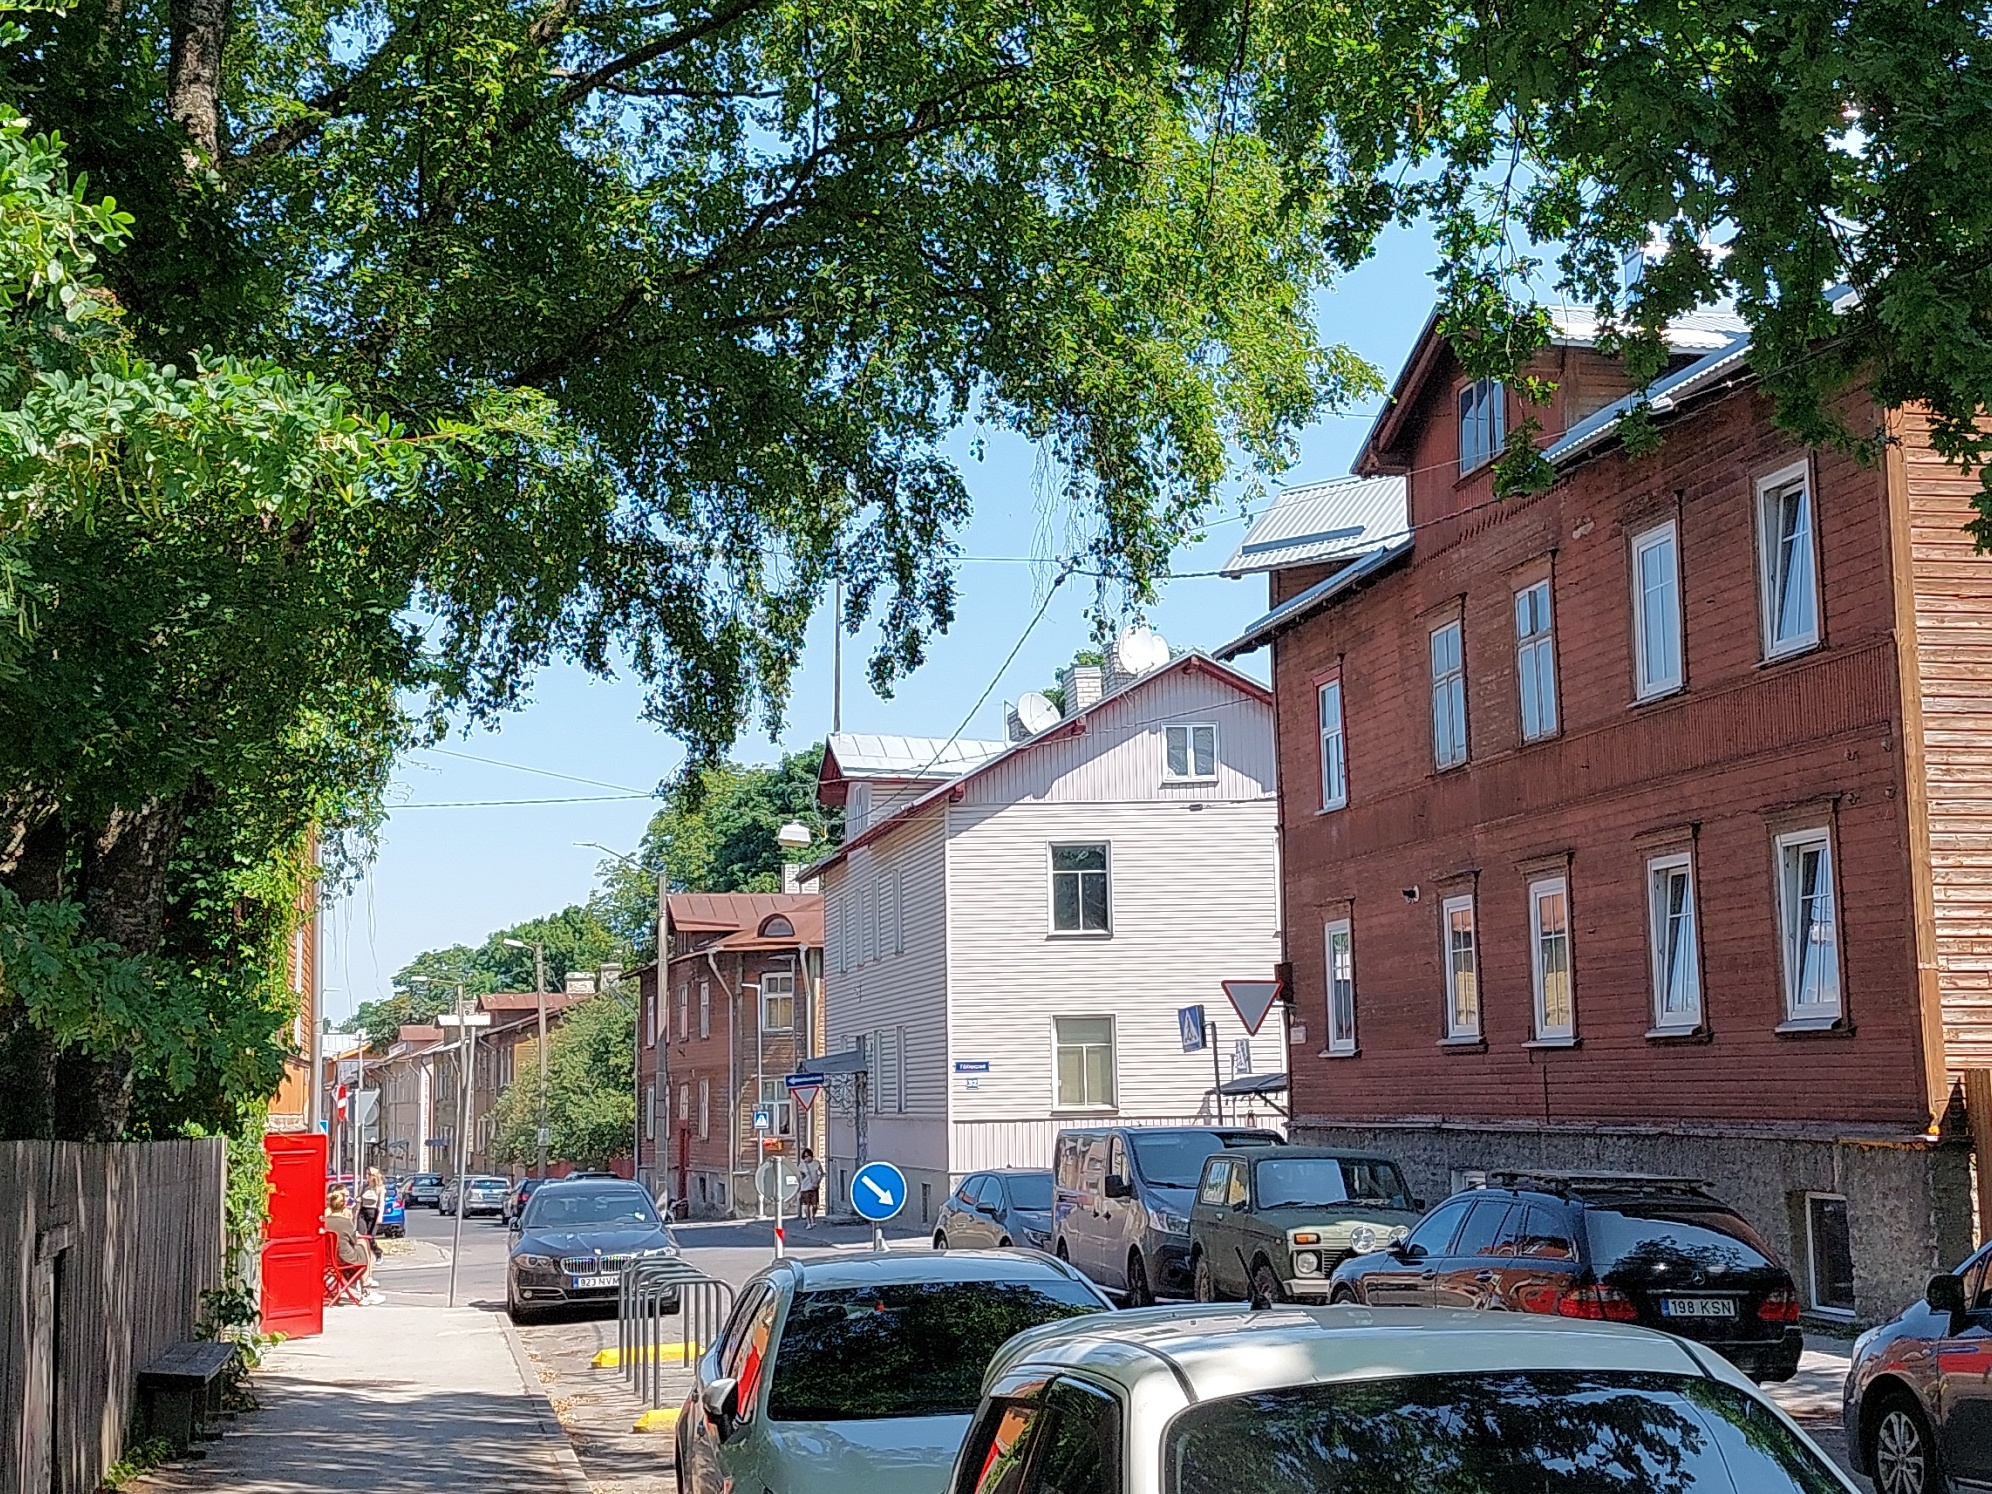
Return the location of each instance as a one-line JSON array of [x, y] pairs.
[[180, 1390]]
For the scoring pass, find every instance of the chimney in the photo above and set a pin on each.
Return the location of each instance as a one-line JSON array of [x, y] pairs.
[[1083, 686], [580, 983], [609, 977], [1013, 724], [791, 872]]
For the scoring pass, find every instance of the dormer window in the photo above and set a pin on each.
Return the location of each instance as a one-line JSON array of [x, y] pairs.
[[777, 927], [1483, 423]]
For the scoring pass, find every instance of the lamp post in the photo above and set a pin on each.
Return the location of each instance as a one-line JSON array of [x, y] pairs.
[[795, 837], [636, 1030], [539, 991], [467, 1024]]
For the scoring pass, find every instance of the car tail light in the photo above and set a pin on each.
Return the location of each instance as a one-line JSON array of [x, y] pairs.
[[1780, 1306], [1608, 1304]]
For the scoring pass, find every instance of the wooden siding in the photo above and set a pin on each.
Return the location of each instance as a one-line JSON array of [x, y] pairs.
[[897, 990], [1193, 902], [1952, 589], [1746, 748], [130, 1236]]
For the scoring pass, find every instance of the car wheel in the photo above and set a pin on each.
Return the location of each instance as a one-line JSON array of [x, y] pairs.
[[1206, 1283], [1342, 1296], [940, 1239], [1901, 1453], [1004, 1243], [1266, 1284], [1139, 1292], [1062, 1254]]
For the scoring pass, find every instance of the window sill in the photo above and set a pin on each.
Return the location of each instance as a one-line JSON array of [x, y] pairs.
[[1554, 1042], [1439, 770], [1080, 934], [1678, 1035], [1475, 1044], [1793, 651], [1090, 1110], [1333, 808], [1199, 781], [1355, 1052], [1654, 697], [1814, 1027]]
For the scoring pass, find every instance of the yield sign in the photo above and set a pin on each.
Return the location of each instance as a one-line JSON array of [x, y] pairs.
[[1252, 999], [803, 1094]]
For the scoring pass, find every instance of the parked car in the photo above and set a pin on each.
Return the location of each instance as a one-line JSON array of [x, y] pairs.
[[574, 1240], [393, 1223], [1918, 1401], [480, 1195], [1624, 1248], [1121, 1202], [1272, 1223], [1224, 1399], [424, 1189], [992, 1210], [515, 1201], [860, 1372]]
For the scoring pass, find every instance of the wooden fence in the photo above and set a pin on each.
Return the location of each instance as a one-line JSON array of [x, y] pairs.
[[104, 1254]]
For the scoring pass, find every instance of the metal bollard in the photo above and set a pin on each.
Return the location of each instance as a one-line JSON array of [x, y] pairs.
[[651, 1291]]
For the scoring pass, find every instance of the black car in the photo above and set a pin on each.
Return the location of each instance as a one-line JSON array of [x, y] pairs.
[[1918, 1399], [574, 1240], [521, 1191], [1627, 1248], [992, 1210]]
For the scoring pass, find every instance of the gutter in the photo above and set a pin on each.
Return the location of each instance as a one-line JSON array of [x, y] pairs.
[[1294, 608]]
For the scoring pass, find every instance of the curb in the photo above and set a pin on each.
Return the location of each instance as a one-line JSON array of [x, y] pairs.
[[565, 1460]]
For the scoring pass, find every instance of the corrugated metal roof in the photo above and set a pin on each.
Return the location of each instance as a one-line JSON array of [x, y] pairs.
[[1322, 521], [869, 755], [1295, 607], [1700, 331], [1661, 397]]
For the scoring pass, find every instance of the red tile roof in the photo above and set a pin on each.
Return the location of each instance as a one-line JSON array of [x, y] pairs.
[[507, 1003], [714, 912]]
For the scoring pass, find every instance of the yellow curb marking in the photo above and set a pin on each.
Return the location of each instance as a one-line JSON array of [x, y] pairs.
[[659, 1419], [613, 1359]]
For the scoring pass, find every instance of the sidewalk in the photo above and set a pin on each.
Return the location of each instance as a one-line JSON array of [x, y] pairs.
[[359, 1409]]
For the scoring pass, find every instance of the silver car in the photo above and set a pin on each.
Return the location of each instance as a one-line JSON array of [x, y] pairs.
[[1231, 1400], [858, 1374]]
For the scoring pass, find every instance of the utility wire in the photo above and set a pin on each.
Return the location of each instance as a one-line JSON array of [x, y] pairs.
[[493, 762], [503, 803]]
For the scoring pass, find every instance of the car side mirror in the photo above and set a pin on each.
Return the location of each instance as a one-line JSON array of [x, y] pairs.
[[1116, 1186], [516, 1224], [721, 1400], [1404, 1250], [1945, 1294]]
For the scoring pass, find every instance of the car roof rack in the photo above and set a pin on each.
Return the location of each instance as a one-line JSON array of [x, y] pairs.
[[1547, 1180]]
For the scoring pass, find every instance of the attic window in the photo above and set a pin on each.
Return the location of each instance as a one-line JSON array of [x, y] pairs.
[[1483, 423], [777, 927]]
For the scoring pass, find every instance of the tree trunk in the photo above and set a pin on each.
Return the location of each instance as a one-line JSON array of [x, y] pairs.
[[193, 76], [33, 869]]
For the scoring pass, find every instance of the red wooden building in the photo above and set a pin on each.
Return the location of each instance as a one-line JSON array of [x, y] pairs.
[[1645, 822], [738, 1004]]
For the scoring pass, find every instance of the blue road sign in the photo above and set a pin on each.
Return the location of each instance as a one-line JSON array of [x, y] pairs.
[[878, 1191], [803, 1081], [1191, 1020]]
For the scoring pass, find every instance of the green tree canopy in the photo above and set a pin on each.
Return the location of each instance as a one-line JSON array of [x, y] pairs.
[[590, 1090]]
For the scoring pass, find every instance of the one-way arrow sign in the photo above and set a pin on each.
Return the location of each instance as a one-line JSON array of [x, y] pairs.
[[1252, 999]]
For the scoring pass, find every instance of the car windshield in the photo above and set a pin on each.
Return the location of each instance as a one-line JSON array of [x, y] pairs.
[[1296, 1182], [1502, 1432], [1630, 1237], [588, 1208], [912, 1349], [1030, 1190], [1175, 1159]]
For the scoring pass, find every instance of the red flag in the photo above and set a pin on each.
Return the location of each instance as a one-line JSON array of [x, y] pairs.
[[342, 1102]]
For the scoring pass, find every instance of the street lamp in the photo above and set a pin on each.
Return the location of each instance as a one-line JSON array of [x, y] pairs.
[[539, 990]]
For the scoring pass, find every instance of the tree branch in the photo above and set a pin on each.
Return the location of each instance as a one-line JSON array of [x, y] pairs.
[[326, 107], [671, 42]]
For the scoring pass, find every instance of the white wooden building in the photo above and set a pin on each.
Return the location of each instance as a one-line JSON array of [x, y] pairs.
[[1012, 927]]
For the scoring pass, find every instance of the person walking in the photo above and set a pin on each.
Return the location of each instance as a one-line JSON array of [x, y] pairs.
[[340, 1223], [373, 1198], [809, 1185]]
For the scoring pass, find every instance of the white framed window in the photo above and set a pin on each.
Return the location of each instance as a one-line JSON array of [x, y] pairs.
[[1675, 941], [1810, 926], [868, 922], [1339, 952], [1448, 695], [684, 1102], [1535, 661], [1549, 925], [1787, 561], [705, 1109], [650, 1112], [1081, 890], [684, 1011], [1462, 965], [780, 1108], [1483, 423], [654, 1004], [705, 1008], [896, 886], [1189, 751], [1656, 611], [1829, 1254], [1083, 1062], [1334, 754], [778, 1001]]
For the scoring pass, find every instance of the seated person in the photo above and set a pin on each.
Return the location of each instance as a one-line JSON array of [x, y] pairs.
[[352, 1249]]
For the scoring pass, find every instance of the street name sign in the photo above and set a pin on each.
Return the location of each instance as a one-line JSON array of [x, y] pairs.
[[1252, 999], [803, 1088], [1191, 1020], [878, 1191]]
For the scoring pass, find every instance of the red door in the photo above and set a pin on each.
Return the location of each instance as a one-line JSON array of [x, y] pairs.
[[293, 1260]]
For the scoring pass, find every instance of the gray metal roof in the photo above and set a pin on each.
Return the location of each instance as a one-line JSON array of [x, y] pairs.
[[1700, 331], [1300, 605], [869, 755], [1322, 521]]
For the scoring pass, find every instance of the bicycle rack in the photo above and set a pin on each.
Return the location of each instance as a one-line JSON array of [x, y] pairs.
[[653, 1290]]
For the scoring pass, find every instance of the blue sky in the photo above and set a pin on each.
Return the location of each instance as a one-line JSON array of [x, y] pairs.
[[451, 875]]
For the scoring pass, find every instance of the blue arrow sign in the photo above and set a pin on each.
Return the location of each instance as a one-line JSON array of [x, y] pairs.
[[878, 1191]]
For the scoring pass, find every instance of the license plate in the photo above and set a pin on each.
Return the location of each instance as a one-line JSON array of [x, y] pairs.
[[1697, 1307], [582, 1283]]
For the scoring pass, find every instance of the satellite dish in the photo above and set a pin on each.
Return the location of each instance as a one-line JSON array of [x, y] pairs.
[[1036, 712], [1139, 650]]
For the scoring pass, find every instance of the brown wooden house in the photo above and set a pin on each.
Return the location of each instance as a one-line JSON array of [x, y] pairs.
[[731, 1014], [1646, 822]]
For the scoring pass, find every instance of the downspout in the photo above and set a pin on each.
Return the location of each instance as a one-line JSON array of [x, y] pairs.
[[733, 1093]]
